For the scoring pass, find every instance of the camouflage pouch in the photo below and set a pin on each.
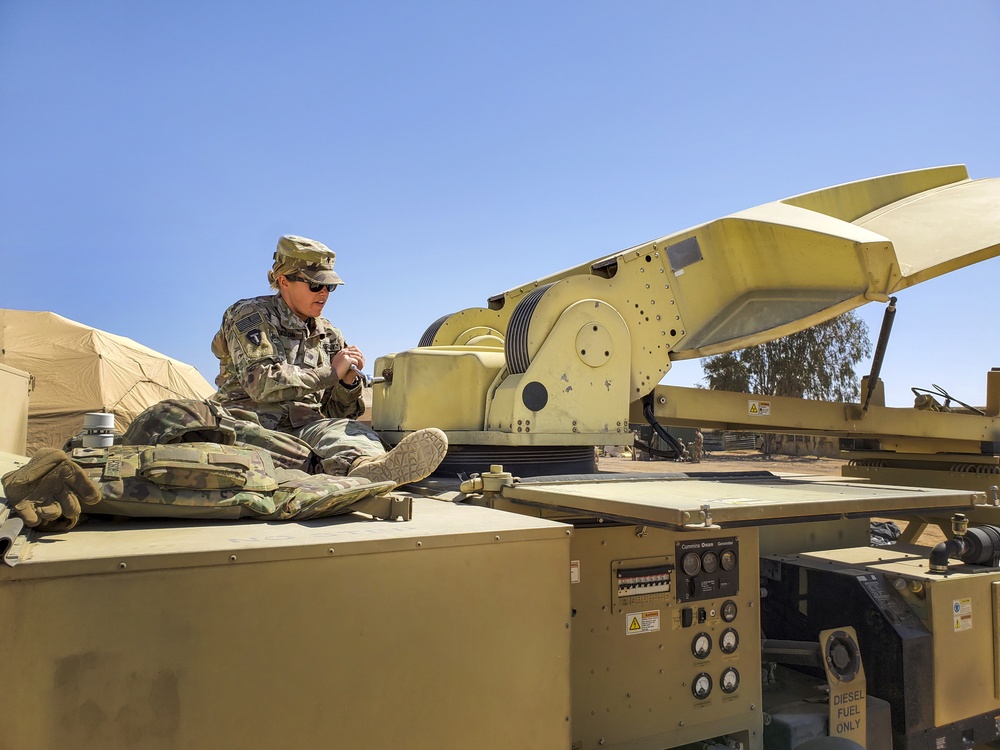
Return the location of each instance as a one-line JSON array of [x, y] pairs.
[[192, 480], [206, 466], [211, 481]]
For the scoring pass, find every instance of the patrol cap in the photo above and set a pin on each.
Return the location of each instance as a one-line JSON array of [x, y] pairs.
[[308, 258]]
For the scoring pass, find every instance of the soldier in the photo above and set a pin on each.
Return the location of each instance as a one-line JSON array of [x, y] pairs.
[[282, 361], [291, 395], [685, 454], [697, 447]]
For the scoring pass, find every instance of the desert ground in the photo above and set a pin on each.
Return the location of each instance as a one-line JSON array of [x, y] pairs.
[[729, 461]]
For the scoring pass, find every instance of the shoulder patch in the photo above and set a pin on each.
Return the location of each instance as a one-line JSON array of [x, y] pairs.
[[251, 330], [247, 322]]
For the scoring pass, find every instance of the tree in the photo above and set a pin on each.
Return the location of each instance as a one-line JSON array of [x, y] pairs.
[[816, 363]]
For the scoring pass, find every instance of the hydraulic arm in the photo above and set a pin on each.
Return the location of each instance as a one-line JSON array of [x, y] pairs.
[[559, 361]]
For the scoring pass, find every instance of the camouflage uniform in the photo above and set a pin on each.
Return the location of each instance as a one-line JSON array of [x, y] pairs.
[[278, 367]]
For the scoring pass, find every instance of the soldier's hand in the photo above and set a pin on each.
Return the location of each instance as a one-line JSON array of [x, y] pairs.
[[354, 353], [342, 361], [47, 491]]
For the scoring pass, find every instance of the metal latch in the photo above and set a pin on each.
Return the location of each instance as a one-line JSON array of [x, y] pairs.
[[386, 507]]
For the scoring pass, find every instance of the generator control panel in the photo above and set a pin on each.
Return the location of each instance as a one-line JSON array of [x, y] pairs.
[[661, 626], [708, 568]]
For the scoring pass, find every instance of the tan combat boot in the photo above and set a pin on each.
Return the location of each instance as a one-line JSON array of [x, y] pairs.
[[415, 457]]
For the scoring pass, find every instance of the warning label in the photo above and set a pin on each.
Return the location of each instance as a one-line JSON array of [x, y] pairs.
[[759, 408], [642, 622], [574, 571], [962, 609]]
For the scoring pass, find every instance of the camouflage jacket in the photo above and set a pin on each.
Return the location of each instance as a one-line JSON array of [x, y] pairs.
[[278, 366]]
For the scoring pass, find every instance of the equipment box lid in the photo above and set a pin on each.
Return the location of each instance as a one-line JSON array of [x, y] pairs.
[[111, 547], [684, 501]]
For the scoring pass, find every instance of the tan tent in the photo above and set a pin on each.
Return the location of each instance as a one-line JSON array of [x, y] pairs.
[[79, 369]]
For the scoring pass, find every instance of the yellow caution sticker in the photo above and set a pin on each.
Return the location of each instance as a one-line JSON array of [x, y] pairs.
[[759, 408], [962, 609], [637, 623]]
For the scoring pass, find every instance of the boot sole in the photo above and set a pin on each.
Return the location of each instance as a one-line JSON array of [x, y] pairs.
[[415, 457]]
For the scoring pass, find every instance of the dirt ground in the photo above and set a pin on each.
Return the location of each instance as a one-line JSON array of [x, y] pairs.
[[725, 461], [729, 461]]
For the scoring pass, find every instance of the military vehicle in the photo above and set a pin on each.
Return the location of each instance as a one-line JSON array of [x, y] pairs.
[[532, 602]]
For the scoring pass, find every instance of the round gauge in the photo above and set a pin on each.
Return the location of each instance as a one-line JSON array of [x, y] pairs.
[[729, 610], [710, 562], [728, 559], [702, 686], [729, 641], [730, 680], [691, 563], [701, 646]]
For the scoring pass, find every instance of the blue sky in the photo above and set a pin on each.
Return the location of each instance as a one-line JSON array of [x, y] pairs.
[[152, 153]]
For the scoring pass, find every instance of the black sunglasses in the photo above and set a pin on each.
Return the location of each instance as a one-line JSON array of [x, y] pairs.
[[313, 287]]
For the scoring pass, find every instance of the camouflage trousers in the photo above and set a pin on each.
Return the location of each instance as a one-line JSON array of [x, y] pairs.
[[339, 443], [308, 442]]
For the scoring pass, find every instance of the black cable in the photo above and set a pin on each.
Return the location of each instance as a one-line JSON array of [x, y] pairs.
[[647, 412]]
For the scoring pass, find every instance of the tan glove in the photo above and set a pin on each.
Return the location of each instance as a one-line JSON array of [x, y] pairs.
[[47, 491]]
